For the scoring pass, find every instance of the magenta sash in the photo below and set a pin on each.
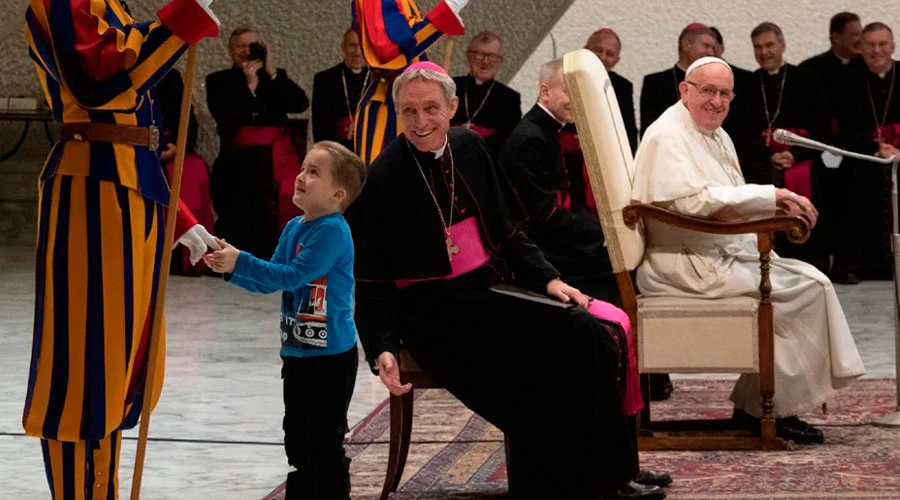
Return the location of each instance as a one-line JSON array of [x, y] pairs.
[[796, 178], [285, 164], [568, 142], [484, 132], [632, 400], [890, 134], [471, 255], [344, 128], [481, 130]]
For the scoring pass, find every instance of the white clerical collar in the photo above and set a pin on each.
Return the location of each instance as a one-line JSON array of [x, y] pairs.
[[551, 114], [354, 71], [777, 70], [440, 152]]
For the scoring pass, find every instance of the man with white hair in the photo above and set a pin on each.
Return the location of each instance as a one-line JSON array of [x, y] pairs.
[[688, 164], [433, 232]]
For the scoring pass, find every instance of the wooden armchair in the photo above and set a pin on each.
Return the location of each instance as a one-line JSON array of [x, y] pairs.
[[401, 408], [675, 334]]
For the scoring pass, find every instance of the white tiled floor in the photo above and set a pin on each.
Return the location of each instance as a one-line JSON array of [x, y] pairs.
[[217, 430]]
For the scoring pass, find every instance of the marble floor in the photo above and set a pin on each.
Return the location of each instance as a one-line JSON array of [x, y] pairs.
[[217, 430]]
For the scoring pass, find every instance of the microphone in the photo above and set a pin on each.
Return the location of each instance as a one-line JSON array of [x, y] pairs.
[[782, 136]]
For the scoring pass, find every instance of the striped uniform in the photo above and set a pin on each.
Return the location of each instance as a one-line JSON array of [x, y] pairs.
[[100, 233], [393, 35]]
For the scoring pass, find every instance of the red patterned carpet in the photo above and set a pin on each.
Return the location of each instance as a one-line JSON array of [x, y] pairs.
[[457, 455]]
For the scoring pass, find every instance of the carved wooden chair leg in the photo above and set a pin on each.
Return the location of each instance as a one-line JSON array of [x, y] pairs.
[[405, 435], [506, 452], [393, 446]]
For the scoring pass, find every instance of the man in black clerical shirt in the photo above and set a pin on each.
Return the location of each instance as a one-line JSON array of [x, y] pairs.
[[605, 43], [871, 125], [660, 90], [571, 240], [835, 68], [741, 76], [779, 95], [486, 106], [336, 94], [253, 176], [433, 232]]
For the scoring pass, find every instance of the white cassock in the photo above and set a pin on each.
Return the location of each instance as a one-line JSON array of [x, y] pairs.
[[696, 172]]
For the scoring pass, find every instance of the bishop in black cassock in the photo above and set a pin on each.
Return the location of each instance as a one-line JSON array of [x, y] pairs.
[[872, 117], [336, 94], [546, 376], [789, 99]]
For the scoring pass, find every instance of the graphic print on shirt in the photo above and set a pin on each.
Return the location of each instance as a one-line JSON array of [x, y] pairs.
[[310, 328]]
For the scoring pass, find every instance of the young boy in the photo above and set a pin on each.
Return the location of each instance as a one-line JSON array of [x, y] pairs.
[[318, 335]]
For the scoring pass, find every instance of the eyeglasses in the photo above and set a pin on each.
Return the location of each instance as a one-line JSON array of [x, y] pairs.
[[711, 92], [490, 57]]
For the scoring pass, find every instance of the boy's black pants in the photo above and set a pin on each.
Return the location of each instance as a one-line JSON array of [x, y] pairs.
[[317, 392]]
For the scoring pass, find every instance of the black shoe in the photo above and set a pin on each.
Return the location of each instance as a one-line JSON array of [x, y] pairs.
[[637, 491], [648, 477], [798, 431], [844, 278], [660, 386], [791, 428]]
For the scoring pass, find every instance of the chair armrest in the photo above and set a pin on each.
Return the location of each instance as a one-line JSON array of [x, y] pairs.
[[797, 229]]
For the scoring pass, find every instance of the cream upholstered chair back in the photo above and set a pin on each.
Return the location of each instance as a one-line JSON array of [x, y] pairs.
[[604, 143]]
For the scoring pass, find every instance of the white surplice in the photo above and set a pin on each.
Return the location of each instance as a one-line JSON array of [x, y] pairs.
[[696, 172]]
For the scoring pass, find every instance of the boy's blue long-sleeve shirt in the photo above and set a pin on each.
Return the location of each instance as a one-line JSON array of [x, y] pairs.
[[313, 266]]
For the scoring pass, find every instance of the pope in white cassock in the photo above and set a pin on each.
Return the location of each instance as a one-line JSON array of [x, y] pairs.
[[688, 164]]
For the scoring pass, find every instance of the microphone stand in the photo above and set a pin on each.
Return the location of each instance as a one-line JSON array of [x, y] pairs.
[[891, 419]]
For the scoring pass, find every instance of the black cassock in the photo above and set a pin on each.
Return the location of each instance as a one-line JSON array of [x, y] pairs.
[[799, 108], [872, 116], [491, 105], [244, 193], [836, 216], [335, 97], [570, 237], [548, 377]]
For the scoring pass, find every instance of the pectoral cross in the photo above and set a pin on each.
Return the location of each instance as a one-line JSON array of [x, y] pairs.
[[451, 248], [768, 136], [467, 125]]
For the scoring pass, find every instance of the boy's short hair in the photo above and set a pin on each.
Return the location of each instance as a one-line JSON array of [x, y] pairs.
[[347, 169]]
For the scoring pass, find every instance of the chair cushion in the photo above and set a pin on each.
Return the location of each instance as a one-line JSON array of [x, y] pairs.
[[691, 335]]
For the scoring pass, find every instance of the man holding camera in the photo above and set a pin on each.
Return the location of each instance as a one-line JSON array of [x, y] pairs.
[[253, 177]]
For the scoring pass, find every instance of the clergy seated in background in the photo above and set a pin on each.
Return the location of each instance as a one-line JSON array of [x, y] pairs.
[[871, 126], [486, 106], [336, 93], [834, 68], [433, 232], [571, 240], [783, 96], [688, 164]]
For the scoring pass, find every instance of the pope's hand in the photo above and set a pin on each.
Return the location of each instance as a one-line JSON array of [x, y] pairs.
[[196, 240]]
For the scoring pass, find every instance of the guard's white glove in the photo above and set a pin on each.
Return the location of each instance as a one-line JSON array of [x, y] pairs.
[[455, 5], [196, 239], [205, 5]]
